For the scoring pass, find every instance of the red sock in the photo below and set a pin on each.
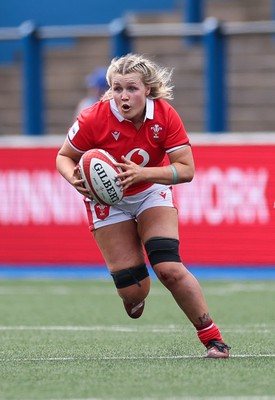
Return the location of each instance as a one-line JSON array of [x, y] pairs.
[[208, 332]]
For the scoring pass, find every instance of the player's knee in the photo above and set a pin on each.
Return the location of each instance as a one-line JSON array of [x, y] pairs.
[[130, 276], [133, 284], [161, 250], [170, 276]]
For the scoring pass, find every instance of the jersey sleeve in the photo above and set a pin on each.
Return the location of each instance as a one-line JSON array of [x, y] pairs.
[[80, 135], [176, 134]]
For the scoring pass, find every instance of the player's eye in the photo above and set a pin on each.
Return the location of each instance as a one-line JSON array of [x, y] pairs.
[[117, 89], [132, 88]]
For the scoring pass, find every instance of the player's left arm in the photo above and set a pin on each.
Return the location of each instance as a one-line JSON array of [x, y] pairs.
[[180, 170], [182, 164]]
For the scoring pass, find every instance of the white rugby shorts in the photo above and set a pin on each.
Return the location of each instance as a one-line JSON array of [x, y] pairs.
[[129, 207]]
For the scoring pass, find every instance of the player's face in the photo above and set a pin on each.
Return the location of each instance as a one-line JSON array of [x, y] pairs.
[[129, 93]]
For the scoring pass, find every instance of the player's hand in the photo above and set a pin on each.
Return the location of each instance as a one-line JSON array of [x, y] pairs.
[[132, 173], [78, 183]]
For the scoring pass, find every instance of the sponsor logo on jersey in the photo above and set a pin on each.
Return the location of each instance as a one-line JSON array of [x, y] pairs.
[[138, 156]]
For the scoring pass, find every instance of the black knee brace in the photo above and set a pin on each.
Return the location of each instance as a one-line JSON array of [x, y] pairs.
[[130, 276], [160, 249]]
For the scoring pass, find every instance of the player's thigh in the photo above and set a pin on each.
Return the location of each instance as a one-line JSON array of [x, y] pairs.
[[120, 245], [158, 221]]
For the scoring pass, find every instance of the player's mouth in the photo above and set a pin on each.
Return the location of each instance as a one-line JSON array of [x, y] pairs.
[[125, 107]]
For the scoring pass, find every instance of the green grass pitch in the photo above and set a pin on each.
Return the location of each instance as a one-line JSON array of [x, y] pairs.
[[72, 340]]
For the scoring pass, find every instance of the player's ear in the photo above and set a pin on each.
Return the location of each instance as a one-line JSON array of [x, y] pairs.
[[147, 90]]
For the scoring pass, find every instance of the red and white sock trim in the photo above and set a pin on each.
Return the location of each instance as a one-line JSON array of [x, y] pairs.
[[208, 332]]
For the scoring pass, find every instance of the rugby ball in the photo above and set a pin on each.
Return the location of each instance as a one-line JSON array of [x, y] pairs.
[[98, 170]]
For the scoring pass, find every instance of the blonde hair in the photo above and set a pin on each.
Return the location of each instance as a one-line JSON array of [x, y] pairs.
[[159, 78]]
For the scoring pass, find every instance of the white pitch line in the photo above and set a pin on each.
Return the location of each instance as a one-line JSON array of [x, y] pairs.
[[97, 328], [257, 328], [128, 358], [190, 398]]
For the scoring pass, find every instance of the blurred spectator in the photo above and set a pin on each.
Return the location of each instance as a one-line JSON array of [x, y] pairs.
[[96, 85]]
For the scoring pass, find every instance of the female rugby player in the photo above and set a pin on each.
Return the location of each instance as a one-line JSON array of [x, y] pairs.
[[142, 131]]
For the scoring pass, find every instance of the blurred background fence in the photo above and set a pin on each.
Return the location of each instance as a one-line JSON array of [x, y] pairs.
[[223, 56], [222, 52]]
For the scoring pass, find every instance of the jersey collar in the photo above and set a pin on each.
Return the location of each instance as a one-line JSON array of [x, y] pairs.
[[149, 110]]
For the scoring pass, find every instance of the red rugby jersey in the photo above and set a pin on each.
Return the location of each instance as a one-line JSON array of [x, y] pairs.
[[101, 126]]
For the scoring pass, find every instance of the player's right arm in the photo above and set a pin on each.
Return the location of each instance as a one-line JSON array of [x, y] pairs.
[[67, 164]]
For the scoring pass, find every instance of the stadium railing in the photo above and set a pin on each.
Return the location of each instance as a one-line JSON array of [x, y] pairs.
[[122, 34]]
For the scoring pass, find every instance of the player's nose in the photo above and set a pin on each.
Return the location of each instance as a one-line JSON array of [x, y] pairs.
[[124, 95]]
